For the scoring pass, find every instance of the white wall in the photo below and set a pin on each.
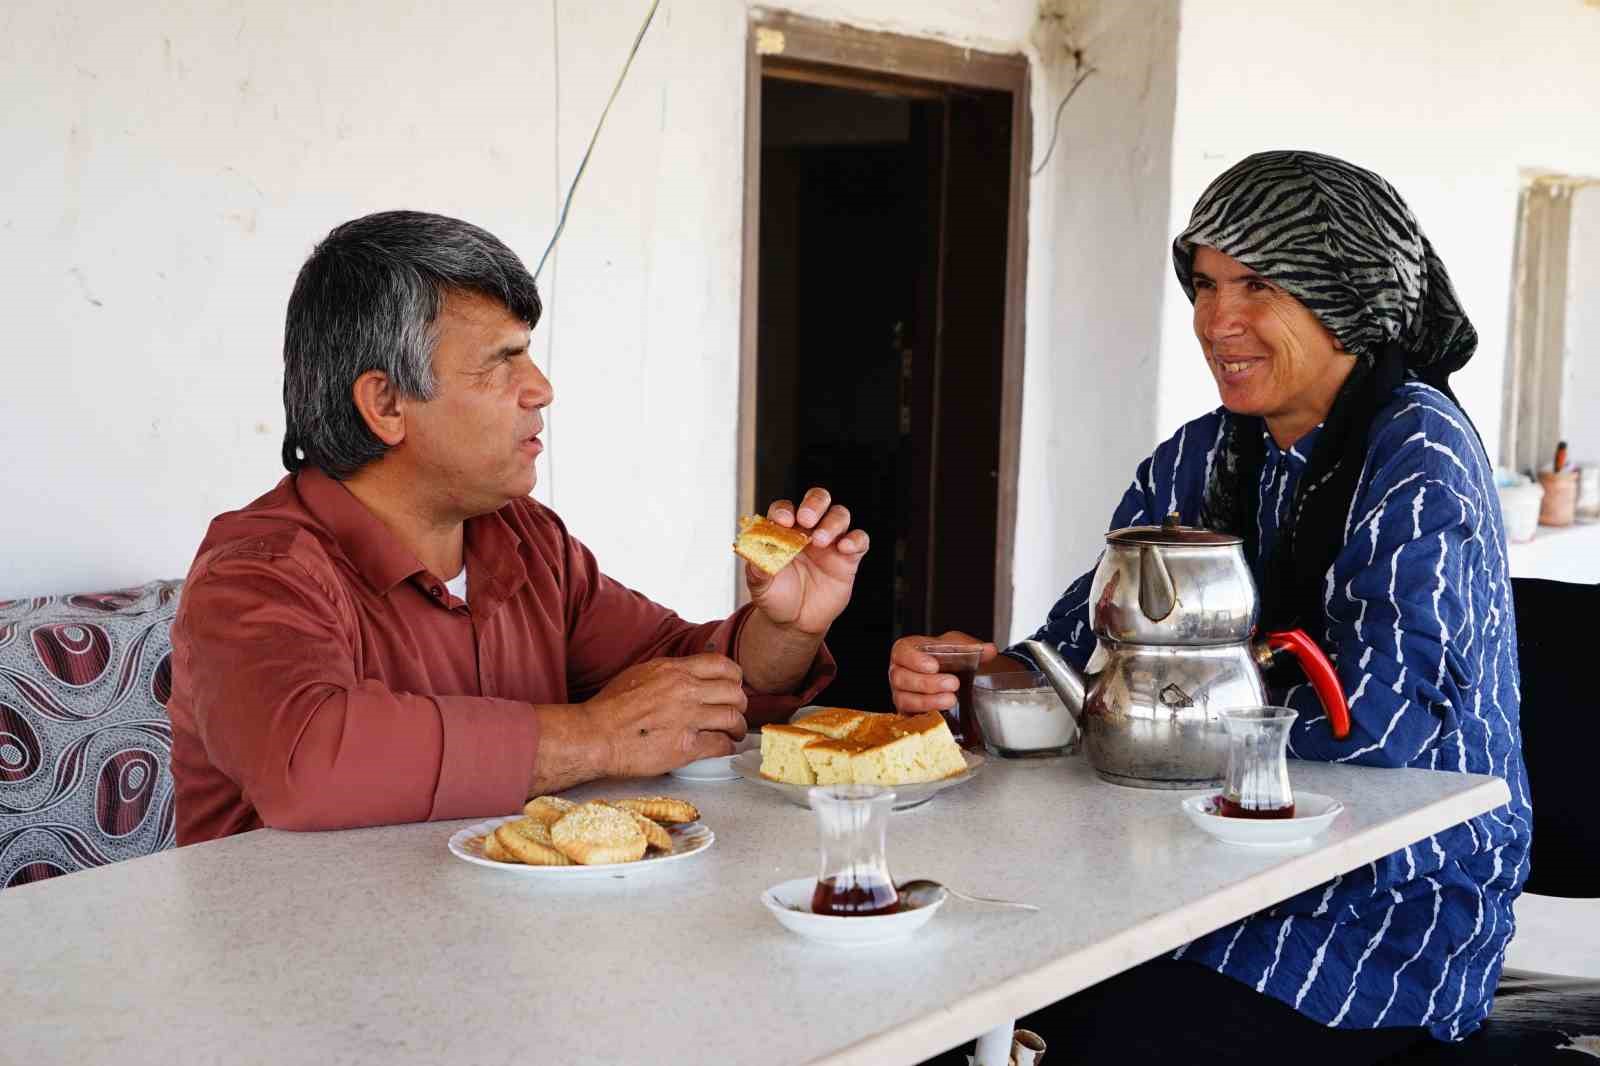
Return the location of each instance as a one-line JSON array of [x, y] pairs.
[[1445, 99], [168, 167], [1580, 393], [1096, 254]]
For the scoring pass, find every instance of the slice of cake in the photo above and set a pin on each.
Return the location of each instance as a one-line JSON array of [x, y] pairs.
[[838, 746], [888, 753], [830, 760], [782, 754], [835, 723], [910, 749], [767, 545]]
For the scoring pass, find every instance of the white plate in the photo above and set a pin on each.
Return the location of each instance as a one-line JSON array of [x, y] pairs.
[[687, 840], [720, 767], [1313, 813], [748, 766], [790, 903]]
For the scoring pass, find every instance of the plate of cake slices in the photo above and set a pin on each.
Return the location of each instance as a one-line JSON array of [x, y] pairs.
[[914, 754], [556, 838]]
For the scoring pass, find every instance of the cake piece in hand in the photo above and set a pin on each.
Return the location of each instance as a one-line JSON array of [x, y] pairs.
[[766, 545]]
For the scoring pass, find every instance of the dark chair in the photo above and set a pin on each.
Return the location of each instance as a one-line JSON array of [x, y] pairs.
[[1539, 1017], [1556, 649]]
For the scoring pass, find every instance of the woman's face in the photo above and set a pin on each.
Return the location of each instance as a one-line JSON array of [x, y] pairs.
[[1270, 356]]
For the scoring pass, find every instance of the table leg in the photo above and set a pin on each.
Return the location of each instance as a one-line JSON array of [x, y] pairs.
[[994, 1047]]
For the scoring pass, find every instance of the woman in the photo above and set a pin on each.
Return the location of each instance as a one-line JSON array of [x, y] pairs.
[[1367, 508]]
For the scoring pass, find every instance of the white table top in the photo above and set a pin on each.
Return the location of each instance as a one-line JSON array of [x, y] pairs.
[[377, 946]]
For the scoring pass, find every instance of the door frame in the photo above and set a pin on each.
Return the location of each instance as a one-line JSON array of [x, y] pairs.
[[827, 53]]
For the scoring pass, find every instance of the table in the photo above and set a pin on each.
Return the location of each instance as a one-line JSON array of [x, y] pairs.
[[377, 946]]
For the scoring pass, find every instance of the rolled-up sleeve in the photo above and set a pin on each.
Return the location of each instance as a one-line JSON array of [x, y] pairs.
[[610, 627]]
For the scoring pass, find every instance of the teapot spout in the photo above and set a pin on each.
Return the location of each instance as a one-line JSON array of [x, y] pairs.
[[1062, 675]]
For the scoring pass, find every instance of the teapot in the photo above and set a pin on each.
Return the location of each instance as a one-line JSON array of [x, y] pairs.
[[1174, 610]]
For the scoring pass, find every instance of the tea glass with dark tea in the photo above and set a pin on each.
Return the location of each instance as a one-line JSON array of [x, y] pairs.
[[1257, 785], [962, 661], [853, 878]]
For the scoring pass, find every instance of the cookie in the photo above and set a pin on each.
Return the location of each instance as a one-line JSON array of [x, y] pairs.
[[493, 850], [529, 842], [596, 833], [663, 809], [655, 837], [547, 810]]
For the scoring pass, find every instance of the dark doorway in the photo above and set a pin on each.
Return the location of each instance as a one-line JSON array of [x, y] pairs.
[[881, 330]]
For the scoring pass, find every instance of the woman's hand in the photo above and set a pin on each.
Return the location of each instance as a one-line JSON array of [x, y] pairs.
[[915, 682]]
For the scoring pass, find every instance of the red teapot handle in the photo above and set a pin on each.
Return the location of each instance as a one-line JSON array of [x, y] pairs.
[[1323, 679]]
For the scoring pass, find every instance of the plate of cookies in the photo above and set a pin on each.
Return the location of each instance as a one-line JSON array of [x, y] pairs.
[[555, 837]]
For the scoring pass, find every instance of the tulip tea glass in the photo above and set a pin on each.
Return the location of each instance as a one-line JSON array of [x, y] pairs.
[[1258, 767], [962, 661], [852, 822]]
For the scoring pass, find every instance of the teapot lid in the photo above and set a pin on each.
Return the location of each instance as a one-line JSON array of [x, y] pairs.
[[1171, 532]]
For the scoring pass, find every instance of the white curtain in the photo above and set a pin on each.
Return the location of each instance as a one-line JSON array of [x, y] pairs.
[[1531, 422]]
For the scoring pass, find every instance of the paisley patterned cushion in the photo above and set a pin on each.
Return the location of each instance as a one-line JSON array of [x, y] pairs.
[[85, 744]]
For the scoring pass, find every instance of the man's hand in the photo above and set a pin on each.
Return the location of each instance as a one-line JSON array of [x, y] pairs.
[[662, 714], [915, 683], [808, 594]]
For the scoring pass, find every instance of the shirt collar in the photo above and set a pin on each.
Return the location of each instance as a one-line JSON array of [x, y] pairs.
[[377, 554], [491, 545]]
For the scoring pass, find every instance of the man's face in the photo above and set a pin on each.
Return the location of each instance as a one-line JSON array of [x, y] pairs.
[[475, 442], [1269, 355]]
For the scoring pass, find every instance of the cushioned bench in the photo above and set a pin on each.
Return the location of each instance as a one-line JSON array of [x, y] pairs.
[[85, 745]]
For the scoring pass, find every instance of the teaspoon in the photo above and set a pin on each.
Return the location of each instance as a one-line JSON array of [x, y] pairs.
[[922, 892]]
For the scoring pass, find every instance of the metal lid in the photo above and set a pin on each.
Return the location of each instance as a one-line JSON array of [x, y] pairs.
[[1171, 532]]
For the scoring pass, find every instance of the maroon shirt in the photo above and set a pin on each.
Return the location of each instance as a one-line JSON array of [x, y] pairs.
[[324, 679]]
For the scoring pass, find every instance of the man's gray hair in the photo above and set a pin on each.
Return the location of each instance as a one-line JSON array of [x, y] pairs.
[[367, 299]]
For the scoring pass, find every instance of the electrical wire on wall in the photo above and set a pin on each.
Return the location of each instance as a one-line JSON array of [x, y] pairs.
[[555, 264], [1055, 124], [566, 205]]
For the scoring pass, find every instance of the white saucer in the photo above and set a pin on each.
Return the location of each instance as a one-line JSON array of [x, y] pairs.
[[719, 767], [1313, 813], [790, 903]]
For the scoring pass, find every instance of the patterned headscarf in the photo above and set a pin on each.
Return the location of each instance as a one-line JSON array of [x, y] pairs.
[[1341, 241]]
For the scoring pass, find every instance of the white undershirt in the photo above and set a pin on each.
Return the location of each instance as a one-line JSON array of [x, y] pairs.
[[458, 585]]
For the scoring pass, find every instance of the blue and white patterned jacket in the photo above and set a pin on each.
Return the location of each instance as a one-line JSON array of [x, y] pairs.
[[1420, 628]]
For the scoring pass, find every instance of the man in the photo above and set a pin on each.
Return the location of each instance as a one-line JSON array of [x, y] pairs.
[[396, 632]]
